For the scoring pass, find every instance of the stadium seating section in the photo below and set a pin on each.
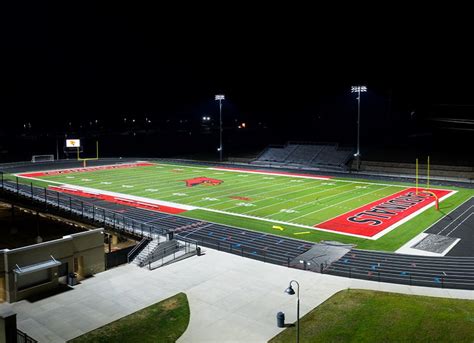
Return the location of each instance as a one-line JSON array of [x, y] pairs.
[[307, 155]]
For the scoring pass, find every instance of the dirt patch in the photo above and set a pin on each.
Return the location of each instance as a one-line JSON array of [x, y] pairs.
[[170, 304]]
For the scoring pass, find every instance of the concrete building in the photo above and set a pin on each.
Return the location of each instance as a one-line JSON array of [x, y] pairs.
[[43, 267]]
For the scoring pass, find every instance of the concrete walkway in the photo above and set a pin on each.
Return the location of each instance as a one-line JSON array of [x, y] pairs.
[[232, 299]]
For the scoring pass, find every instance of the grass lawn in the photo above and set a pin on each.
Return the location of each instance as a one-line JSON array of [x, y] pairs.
[[370, 316], [163, 322]]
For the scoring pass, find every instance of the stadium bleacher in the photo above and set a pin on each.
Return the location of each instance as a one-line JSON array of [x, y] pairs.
[[306, 155], [445, 271]]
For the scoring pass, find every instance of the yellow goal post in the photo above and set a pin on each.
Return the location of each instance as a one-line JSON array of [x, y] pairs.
[[84, 160]]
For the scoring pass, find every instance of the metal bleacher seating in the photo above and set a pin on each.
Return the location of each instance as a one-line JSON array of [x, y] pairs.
[[310, 155]]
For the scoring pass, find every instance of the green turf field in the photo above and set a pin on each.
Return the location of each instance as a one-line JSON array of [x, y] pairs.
[[257, 201]]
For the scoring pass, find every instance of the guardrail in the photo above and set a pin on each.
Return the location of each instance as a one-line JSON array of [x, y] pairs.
[[439, 281], [86, 211], [168, 256], [22, 337]]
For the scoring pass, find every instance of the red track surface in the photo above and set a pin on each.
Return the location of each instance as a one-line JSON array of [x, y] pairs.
[[87, 169], [380, 215], [277, 173], [121, 201]]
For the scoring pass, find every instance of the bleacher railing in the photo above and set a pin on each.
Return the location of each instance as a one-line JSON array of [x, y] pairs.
[[136, 250], [435, 280], [65, 203], [169, 255], [22, 337]]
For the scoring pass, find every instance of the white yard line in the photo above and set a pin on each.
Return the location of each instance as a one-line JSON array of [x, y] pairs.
[[340, 202], [303, 196], [276, 197], [284, 223], [273, 174], [241, 188], [259, 194]]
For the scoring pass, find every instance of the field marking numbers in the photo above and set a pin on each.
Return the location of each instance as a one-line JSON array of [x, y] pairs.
[[285, 210], [245, 204]]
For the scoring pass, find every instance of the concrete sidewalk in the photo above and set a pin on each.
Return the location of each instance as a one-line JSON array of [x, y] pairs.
[[232, 299]]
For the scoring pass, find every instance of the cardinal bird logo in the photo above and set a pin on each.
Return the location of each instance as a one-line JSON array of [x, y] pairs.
[[202, 180]]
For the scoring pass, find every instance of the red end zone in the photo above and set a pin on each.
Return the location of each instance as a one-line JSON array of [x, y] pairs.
[[118, 200], [87, 169], [384, 214]]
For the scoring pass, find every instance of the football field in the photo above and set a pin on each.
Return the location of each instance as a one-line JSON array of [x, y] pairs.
[[277, 201]]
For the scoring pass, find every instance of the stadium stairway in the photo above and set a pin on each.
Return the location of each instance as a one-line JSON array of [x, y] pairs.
[[141, 258], [447, 272], [154, 250]]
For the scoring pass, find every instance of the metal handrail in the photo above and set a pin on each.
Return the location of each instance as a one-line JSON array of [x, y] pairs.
[[132, 252], [22, 337]]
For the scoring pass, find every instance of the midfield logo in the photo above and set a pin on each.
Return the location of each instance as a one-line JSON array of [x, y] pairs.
[[202, 180]]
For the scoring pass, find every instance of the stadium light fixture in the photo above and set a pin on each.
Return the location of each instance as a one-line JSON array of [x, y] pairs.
[[220, 97], [358, 90], [291, 291]]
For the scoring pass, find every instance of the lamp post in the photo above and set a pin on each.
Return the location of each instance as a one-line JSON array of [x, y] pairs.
[[358, 90], [291, 291], [220, 97]]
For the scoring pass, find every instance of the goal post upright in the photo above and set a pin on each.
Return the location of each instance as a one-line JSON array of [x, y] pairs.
[[428, 174], [436, 199], [416, 176], [84, 160]]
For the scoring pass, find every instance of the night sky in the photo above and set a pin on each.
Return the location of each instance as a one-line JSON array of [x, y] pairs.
[[281, 67]]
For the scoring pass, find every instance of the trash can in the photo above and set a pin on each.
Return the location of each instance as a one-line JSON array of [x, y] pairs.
[[280, 319], [198, 251], [72, 279]]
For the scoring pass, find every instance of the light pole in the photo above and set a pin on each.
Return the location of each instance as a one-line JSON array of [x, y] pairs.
[[220, 97], [291, 291], [358, 90]]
